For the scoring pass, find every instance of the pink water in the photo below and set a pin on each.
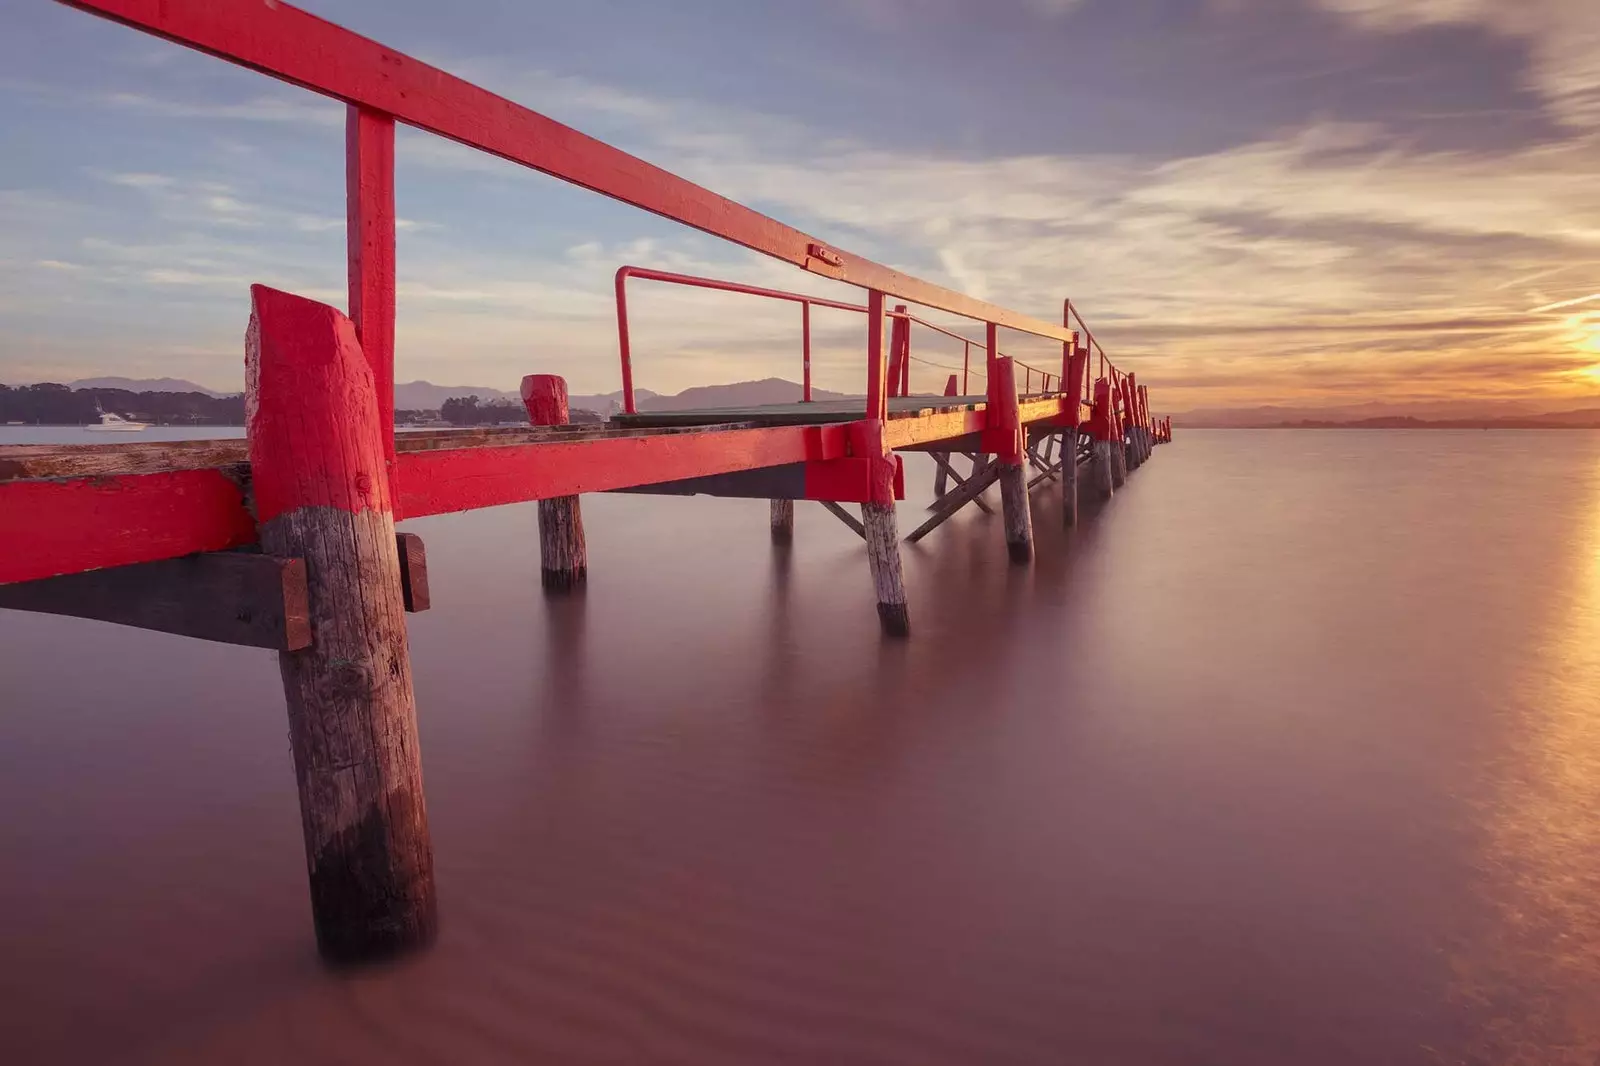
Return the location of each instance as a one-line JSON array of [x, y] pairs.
[[1292, 756]]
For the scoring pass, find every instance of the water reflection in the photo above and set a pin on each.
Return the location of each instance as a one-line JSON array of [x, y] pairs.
[[1533, 975]]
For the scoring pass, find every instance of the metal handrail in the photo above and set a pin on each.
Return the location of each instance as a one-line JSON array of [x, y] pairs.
[[806, 302]]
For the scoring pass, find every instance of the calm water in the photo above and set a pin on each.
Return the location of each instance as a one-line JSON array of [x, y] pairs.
[[1291, 756]]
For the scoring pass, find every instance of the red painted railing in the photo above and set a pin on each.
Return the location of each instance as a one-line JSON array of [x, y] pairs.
[[806, 302]]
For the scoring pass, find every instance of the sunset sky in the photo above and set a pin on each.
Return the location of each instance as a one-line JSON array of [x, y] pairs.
[[1313, 202]]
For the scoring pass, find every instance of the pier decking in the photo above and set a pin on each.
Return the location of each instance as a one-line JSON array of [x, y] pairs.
[[286, 539]]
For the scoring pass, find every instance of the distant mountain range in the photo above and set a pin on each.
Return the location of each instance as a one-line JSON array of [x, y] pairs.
[[147, 385], [426, 396]]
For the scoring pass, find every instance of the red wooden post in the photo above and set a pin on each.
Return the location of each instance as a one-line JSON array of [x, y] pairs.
[[1005, 439], [1069, 347], [905, 355], [1146, 430], [877, 381], [369, 239], [318, 474], [898, 328], [1135, 447], [1119, 448], [1130, 424], [805, 351], [624, 341], [563, 552], [1072, 400], [1102, 473]]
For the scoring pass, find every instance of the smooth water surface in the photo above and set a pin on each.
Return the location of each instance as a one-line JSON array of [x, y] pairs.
[[1290, 756]]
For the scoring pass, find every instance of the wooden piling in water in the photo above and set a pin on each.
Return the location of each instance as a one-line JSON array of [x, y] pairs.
[[882, 534], [1130, 421], [1077, 363], [1119, 450], [563, 552], [316, 445], [878, 513], [1007, 443], [1102, 477], [782, 521]]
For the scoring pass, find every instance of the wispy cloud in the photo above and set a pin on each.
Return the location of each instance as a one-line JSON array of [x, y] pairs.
[[1563, 35], [1566, 303]]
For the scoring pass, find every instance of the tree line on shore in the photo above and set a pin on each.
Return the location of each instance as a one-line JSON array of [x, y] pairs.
[[472, 411], [53, 404], [49, 403]]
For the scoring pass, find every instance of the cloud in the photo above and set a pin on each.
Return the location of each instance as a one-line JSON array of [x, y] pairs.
[[1563, 37], [1319, 260]]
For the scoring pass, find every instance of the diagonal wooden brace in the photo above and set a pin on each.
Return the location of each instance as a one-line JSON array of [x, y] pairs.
[[846, 517], [943, 459], [958, 499]]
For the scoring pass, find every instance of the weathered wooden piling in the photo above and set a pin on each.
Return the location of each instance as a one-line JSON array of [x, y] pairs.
[[563, 552], [882, 534], [878, 512], [316, 445], [1072, 387], [782, 521], [1130, 424], [1102, 477], [1006, 440], [1119, 450]]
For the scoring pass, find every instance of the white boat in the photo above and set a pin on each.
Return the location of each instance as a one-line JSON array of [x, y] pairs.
[[114, 423]]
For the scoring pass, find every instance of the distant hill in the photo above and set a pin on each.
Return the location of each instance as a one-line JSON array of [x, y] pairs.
[[739, 394], [426, 396], [147, 385], [601, 403]]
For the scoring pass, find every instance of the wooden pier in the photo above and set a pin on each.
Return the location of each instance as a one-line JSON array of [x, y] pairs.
[[286, 539]]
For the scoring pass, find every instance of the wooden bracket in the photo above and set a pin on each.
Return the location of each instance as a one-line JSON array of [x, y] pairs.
[[232, 597], [413, 572], [245, 598]]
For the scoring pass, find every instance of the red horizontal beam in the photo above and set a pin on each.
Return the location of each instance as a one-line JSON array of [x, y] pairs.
[[287, 43], [50, 528], [465, 479]]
